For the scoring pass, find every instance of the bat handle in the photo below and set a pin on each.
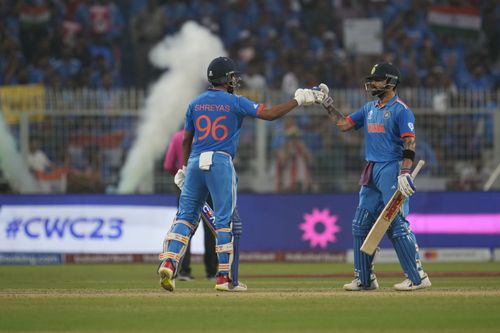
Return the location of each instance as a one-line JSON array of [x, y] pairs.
[[419, 166]]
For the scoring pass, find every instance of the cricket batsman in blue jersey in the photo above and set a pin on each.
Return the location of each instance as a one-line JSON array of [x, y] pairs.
[[212, 130], [389, 129]]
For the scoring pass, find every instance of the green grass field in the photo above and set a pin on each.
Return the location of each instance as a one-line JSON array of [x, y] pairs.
[[127, 298]]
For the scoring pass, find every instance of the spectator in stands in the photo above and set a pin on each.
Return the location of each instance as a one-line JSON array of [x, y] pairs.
[[37, 159], [68, 66], [50, 179], [293, 161], [252, 78], [89, 179], [95, 27], [106, 20], [147, 28]]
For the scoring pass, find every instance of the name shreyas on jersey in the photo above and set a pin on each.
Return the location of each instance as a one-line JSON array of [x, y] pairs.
[[212, 107]]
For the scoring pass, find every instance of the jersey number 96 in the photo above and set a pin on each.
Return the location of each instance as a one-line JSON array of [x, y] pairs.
[[206, 127]]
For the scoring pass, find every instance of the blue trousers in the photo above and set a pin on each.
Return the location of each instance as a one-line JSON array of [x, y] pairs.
[[372, 199], [220, 181]]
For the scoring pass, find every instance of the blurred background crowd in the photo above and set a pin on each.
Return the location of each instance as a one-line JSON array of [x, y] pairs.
[[103, 45]]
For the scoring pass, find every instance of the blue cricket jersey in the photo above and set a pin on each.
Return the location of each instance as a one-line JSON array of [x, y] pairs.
[[385, 127], [215, 117]]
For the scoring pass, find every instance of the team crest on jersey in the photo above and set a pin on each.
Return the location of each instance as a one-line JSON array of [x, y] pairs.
[[410, 126], [370, 114], [387, 114]]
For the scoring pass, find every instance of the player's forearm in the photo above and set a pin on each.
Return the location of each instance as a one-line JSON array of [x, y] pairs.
[[187, 142], [409, 145], [344, 125], [278, 111]]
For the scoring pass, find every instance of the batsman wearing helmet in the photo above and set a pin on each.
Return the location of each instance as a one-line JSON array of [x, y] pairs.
[[212, 130], [389, 129]]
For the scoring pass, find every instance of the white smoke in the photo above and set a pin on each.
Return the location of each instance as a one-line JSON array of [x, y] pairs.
[[12, 164], [186, 55]]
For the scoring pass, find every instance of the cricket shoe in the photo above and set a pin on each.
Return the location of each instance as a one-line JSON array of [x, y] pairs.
[[224, 283], [166, 272], [356, 285], [185, 277], [407, 285]]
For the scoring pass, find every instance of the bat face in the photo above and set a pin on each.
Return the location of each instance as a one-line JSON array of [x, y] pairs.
[[393, 206], [383, 222], [386, 217]]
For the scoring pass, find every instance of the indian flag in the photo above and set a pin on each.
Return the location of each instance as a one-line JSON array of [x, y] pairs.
[[461, 21]]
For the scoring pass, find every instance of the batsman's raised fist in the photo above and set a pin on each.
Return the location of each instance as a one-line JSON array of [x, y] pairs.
[[308, 96]]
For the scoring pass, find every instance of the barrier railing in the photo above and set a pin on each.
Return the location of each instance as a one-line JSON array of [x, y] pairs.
[[89, 133]]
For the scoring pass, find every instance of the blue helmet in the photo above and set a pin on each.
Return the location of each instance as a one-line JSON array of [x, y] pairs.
[[221, 71]]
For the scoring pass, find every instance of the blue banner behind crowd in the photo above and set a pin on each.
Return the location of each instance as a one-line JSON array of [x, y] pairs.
[[293, 222]]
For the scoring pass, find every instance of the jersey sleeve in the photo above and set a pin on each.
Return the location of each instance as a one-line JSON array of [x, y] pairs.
[[248, 107], [357, 118], [406, 123], [189, 124]]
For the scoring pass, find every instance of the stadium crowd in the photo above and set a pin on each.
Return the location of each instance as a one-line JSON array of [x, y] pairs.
[[94, 43]]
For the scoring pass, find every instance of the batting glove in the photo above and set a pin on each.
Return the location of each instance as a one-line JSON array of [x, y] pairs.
[[179, 177], [320, 93], [307, 97], [405, 183], [323, 88]]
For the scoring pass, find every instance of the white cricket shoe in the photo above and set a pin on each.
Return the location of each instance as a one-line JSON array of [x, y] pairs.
[[223, 283], [355, 285], [407, 285]]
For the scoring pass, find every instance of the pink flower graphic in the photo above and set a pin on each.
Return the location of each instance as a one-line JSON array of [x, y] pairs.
[[328, 221]]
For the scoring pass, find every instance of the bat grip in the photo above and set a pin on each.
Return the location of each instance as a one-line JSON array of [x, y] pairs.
[[419, 166]]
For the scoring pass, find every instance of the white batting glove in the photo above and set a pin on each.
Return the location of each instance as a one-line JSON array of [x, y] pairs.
[[406, 185], [179, 177], [319, 96], [320, 92], [300, 96], [324, 89], [307, 97]]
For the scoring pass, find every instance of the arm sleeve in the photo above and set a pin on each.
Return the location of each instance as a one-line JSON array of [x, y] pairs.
[[357, 118], [248, 107], [406, 123]]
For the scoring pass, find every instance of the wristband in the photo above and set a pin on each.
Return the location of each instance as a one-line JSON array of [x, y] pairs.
[[410, 154]]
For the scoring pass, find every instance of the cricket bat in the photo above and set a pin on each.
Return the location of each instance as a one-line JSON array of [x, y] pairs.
[[208, 216], [333, 112], [386, 217]]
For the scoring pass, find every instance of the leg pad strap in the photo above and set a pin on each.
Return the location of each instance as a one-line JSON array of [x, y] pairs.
[[176, 241], [227, 248], [169, 255], [178, 237]]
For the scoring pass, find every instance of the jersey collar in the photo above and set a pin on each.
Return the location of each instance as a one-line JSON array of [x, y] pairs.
[[391, 101]]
